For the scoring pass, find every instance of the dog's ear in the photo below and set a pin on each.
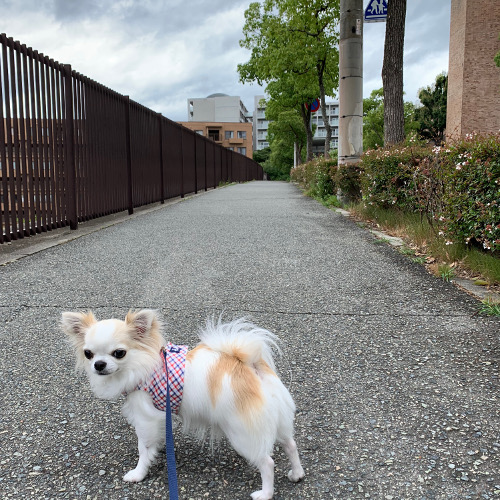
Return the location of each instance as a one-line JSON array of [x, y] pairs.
[[74, 324], [142, 321]]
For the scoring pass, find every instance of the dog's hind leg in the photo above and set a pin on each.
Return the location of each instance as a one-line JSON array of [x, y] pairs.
[[297, 472]]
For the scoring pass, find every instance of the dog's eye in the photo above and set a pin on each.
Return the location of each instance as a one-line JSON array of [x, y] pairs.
[[88, 354], [119, 353]]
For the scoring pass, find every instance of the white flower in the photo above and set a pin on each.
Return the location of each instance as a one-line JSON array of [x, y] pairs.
[[449, 242]]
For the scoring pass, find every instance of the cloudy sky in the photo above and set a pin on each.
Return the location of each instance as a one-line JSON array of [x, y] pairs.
[[163, 52]]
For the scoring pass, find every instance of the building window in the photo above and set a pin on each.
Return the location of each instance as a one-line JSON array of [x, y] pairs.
[[229, 134], [199, 132], [214, 135], [243, 151], [242, 134], [231, 149]]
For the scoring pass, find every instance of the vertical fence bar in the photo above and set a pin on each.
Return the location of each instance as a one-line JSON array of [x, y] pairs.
[[10, 166], [51, 136], [162, 176], [129, 155], [16, 157], [39, 145], [45, 138], [206, 165], [23, 167], [29, 142], [4, 169], [69, 150], [182, 164]]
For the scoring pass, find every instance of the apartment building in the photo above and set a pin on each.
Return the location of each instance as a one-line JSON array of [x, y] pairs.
[[233, 136], [260, 126], [332, 112], [217, 108], [222, 118]]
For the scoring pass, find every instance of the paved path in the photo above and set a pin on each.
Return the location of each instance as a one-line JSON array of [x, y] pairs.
[[394, 376]]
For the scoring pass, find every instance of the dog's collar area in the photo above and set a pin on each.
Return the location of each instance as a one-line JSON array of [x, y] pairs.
[[174, 349]]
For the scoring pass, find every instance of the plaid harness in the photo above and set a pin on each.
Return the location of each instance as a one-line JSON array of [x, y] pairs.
[[156, 384]]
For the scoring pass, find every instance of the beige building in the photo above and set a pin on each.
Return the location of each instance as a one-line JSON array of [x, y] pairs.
[[473, 77], [234, 136]]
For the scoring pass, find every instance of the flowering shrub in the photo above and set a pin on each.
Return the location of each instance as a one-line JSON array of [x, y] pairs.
[[348, 180], [316, 177], [471, 202], [389, 176]]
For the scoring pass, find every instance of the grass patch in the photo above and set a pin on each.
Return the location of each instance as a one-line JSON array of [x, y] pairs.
[[398, 223], [489, 308], [330, 201], [446, 272], [483, 264], [417, 232]]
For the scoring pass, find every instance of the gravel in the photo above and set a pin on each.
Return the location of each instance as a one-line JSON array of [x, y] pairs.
[[394, 374]]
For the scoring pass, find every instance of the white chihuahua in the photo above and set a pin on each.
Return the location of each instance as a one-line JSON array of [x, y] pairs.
[[226, 385]]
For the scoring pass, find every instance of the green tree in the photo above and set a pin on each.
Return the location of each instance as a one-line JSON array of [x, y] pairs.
[[292, 93], [293, 46], [262, 155], [392, 72], [432, 114], [373, 119]]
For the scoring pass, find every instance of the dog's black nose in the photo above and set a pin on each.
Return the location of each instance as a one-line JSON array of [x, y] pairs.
[[100, 365]]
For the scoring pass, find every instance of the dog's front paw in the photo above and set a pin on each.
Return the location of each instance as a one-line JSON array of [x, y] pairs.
[[296, 475], [261, 495], [134, 476]]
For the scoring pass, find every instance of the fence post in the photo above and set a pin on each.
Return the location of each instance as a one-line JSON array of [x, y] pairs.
[[162, 188], [129, 155], [69, 141], [182, 164]]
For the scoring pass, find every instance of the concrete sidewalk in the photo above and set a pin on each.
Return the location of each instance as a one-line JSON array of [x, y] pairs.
[[394, 375]]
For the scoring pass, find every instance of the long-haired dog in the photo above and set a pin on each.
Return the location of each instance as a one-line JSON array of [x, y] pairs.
[[226, 385]]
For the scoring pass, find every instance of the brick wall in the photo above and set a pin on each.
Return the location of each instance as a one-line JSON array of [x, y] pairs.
[[473, 77]]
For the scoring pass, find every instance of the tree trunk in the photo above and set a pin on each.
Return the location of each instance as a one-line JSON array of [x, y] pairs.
[[392, 73], [326, 120], [305, 113]]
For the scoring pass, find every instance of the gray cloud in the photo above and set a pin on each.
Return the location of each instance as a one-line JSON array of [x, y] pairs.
[[163, 52]]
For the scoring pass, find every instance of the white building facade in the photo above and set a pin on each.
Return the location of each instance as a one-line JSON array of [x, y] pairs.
[[260, 124], [332, 112], [217, 108]]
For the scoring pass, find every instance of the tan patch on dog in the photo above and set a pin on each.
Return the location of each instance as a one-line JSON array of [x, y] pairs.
[[192, 353], [264, 369], [244, 382]]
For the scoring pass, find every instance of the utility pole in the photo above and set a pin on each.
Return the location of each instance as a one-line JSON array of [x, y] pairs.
[[351, 81]]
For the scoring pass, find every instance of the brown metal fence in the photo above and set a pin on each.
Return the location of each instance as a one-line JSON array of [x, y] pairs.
[[72, 150]]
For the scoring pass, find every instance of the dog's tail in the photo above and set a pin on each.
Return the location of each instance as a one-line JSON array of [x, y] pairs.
[[242, 339]]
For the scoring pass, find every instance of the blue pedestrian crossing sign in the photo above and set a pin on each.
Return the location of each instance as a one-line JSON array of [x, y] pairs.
[[376, 11]]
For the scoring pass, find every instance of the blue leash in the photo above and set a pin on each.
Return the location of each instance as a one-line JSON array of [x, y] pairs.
[[173, 489]]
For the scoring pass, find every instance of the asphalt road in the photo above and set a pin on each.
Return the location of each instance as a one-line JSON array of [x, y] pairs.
[[394, 374]]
